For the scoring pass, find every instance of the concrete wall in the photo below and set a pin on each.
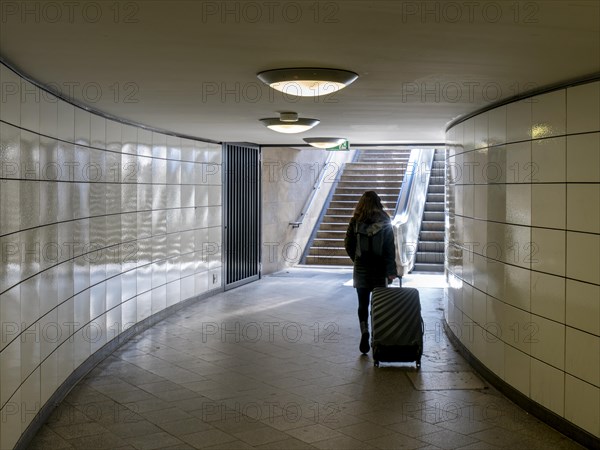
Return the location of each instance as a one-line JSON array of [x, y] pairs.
[[288, 177]]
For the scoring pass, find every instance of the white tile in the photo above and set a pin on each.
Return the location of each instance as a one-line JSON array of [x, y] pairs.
[[548, 205], [583, 306], [173, 147], [582, 404], [519, 166], [548, 386], [187, 287], [518, 204], [583, 158], [548, 160], [82, 127], [98, 131], [173, 293], [518, 121], [582, 355], [30, 106], [159, 298], [144, 305], [30, 399], [10, 369], [497, 125], [48, 114], [517, 369], [159, 145], [48, 377], [583, 108], [496, 202], [11, 104], [201, 283], [583, 207], [144, 142], [495, 316], [494, 355], [65, 354], [548, 296], [66, 122], [548, 341], [129, 139], [481, 130], [215, 280], [467, 200], [517, 287], [548, 251], [583, 257], [10, 426], [518, 330], [549, 114], [113, 135]]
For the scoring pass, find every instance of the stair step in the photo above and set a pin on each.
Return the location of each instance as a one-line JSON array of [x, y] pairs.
[[432, 246], [435, 197], [331, 234], [389, 165], [429, 257], [437, 180], [436, 189], [370, 185], [432, 226], [337, 218], [329, 260], [329, 242], [429, 268], [434, 206], [328, 251], [431, 236], [434, 216]]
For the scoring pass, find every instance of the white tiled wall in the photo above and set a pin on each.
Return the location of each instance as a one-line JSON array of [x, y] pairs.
[[101, 225], [524, 231]]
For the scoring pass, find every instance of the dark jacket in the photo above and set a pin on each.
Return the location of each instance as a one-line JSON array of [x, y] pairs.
[[372, 249]]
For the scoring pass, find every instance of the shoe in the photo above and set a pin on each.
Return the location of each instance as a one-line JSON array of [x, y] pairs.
[[364, 346]]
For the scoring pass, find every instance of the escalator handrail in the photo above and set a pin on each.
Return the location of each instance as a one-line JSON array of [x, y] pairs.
[[407, 218]]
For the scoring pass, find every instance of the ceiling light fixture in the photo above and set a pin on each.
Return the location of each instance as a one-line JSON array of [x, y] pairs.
[[327, 142], [288, 122], [307, 82]]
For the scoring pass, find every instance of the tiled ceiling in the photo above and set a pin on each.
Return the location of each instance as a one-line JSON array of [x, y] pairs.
[[190, 66]]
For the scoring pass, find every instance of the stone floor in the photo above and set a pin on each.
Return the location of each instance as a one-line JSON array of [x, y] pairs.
[[275, 365]]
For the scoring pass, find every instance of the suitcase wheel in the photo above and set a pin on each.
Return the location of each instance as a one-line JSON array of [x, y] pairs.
[[376, 363], [418, 365]]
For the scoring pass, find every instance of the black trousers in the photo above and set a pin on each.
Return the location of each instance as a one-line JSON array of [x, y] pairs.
[[364, 298]]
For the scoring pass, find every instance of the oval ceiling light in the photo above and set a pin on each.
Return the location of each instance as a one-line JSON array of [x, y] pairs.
[[325, 142], [288, 122], [307, 82]]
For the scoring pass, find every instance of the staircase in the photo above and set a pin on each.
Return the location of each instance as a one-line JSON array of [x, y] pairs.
[[381, 171], [430, 248]]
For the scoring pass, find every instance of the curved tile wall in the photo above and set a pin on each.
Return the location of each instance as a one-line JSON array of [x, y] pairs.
[[523, 235], [102, 226]]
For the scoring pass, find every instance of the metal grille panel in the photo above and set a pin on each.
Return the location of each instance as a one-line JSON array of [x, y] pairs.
[[242, 214]]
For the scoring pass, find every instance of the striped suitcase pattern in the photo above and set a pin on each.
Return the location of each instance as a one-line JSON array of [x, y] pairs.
[[397, 326]]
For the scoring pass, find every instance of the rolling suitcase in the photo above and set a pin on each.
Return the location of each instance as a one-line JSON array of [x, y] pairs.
[[397, 325]]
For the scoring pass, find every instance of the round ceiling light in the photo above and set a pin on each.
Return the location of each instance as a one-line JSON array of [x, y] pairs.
[[307, 82], [325, 142], [288, 122]]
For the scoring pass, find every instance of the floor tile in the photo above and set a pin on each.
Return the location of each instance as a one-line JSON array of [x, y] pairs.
[[175, 386]]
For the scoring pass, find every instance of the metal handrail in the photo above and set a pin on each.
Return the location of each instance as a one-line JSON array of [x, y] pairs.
[[318, 183], [409, 208]]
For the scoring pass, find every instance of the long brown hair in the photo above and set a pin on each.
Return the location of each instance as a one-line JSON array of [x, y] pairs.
[[369, 208]]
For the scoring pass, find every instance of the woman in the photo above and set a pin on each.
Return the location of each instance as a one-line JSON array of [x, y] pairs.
[[370, 244]]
